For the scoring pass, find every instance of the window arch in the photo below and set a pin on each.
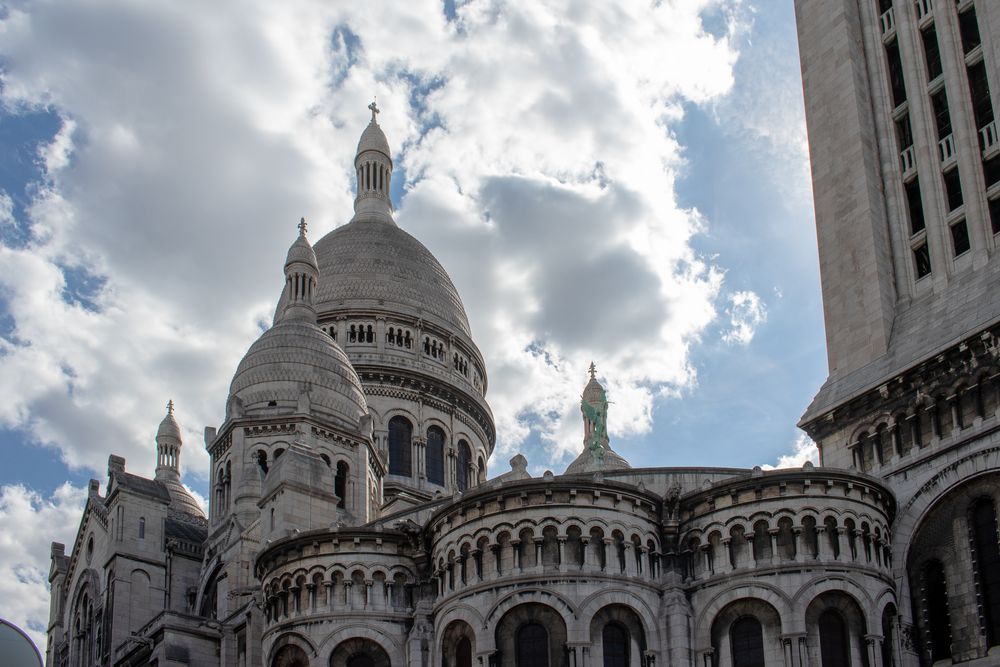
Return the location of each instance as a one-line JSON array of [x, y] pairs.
[[532, 645], [833, 641], [746, 637], [435, 455], [616, 644], [400, 456], [340, 484], [464, 462]]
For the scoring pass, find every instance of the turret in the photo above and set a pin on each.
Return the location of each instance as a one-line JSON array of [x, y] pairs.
[[168, 447], [373, 168]]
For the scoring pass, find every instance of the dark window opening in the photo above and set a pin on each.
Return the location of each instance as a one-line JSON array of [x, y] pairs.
[[884, 6], [616, 645], [968, 26], [995, 215], [916, 206], [142, 528], [904, 133], [747, 641], [922, 260], [435, 455], [985, 539], [982, 105], [932, 54], [991, 171], [340, 484], [896, 83], [464, 463], [833, 641], [953, 189], [960, 237], [532, 646], [400, 455], [935, 607], [939, 101]]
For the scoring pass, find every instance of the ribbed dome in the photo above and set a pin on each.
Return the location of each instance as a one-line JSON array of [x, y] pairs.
[[181, 500], [373, 139], [288, 358], [301, 251], [593, 393], [169, 428], [375, 264]]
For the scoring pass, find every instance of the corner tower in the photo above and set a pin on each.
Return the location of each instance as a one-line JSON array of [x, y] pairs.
[[386, 300]]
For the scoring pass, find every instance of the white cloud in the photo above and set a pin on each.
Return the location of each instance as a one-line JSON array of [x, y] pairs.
[[28, 525], [746, 312], [537, 143], [803, 450], [6, 209]]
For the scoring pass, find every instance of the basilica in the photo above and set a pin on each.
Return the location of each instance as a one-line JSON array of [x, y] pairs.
[[352, 523]]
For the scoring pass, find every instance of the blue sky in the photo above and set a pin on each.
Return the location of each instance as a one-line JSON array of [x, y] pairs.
[[632, 189]]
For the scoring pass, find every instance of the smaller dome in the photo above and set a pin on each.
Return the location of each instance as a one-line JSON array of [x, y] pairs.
[[182, 501], [589, 461], [301, 250], [169, 428], [296, 360], [373, 139]]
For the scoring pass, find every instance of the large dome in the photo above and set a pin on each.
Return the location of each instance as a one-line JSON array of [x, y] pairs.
[[378, 265], [289, 356]]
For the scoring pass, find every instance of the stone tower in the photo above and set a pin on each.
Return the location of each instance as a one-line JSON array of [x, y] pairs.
[[906, 178]]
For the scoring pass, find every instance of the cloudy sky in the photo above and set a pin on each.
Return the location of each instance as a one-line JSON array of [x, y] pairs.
[[619, 182]]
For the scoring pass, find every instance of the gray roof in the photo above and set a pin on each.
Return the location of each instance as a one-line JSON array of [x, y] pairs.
[[587, 462], [171, 492], [186, 531], [378, 265], [373, 139]]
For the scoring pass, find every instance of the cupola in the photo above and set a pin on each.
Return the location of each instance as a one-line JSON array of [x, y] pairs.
[[373, 170]]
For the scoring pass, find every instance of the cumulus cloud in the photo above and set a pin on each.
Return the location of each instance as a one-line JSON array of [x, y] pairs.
[[28, 525], [537, 145], [803, 450], [746, 312]]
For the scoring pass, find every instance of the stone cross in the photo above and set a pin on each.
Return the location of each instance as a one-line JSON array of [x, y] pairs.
[[593, 371], [170, 407], [374, 107], [302, 227]]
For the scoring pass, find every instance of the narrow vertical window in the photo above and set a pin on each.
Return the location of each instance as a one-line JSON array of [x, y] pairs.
[[616, 645], [982, 104], [991, 171], [435, 455], [532, 646], [142, 528], [932, 54], [939, 102], [960, 237], [340, 484], [995, 215], [400, 454], [937, 624], [896, 83], [968, 27], [915, 206], [922, 260], [953, 189]]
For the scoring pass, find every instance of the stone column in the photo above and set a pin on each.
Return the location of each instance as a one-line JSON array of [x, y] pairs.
[[823, 551], [725, 565], [311, 594], [515, 546], [750, 549], [773, 535], [562, 553], [797, 545], [605, 546], [587, 558], [873, 644], [329, 594], [495, 550], [629, 559], [477, 558], [642, 561], [380, 334], [840, 544], [539, 542]]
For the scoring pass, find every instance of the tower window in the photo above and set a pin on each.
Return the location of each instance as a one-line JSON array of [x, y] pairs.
[[142, 528], [896, 82], [953, 188], [991, 171], [904, 133], [435, 455], [982, 105], [932, 54], [960, 237], [968, 26], [400, 433], [340, 484], [747, 641], [922, 260], [995, 215], [939, 101], [916, 206]]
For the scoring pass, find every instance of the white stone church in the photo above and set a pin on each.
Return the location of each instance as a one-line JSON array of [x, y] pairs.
[[352, 524]]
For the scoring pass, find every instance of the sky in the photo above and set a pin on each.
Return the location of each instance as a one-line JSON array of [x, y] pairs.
[[623, 183]]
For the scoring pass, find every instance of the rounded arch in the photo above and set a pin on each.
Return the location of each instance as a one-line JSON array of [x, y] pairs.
[[836, 625], [434, 450], [457, 644], [766, 593], [747, 631], [400, 444], [622, 597], [531, 629], [350, 631], [566, 610], [618, 634], [359, 652], [292, 649]]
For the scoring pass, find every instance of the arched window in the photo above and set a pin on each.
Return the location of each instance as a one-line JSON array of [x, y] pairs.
[[532, 646], [340, 484], [616, 645], [747, 641], [142, 528], [833, 646], [463, 653], [984, 528], [400, 433], [464, 461], [435, 455]]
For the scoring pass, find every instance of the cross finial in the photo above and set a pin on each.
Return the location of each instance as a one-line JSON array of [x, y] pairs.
[[593, 371], [374, 108], [302, 227], [170, 407]]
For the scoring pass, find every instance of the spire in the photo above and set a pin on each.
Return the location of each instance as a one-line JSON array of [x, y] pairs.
[[597, 453], [168, 447], [373, 170], [301, 277], [593, 371]]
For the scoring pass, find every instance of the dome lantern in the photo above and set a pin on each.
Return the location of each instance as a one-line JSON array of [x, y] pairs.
[[301, 278], [373, 170], [168, 447]]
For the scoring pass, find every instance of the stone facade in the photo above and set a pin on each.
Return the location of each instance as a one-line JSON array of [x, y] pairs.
[[351, 522]]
